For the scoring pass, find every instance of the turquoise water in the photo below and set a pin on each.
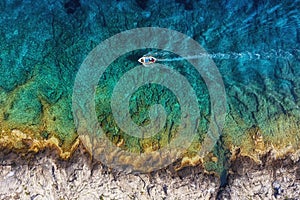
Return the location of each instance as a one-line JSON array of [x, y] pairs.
[[254, 44]]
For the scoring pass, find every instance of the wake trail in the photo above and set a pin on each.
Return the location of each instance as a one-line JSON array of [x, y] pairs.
[[231, 56], [179, 58]]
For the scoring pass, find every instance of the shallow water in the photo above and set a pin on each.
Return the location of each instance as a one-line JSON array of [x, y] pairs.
[[254, 45]]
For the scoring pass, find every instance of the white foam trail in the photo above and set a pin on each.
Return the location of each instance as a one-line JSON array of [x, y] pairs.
[[180, 58], [273, 54]]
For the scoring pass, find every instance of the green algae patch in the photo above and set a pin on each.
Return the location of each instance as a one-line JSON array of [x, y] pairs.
[[37, 116], [279, 136], [25, 108]]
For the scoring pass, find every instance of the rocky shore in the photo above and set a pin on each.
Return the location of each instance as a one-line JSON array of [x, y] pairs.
[[46, 176]]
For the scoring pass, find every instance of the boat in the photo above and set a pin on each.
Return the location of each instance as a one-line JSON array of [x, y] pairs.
[[147, 60]]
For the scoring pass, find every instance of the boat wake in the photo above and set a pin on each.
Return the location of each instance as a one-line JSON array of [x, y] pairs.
[[279, 54]]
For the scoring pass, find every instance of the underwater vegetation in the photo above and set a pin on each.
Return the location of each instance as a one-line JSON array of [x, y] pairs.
[[255, 46]]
